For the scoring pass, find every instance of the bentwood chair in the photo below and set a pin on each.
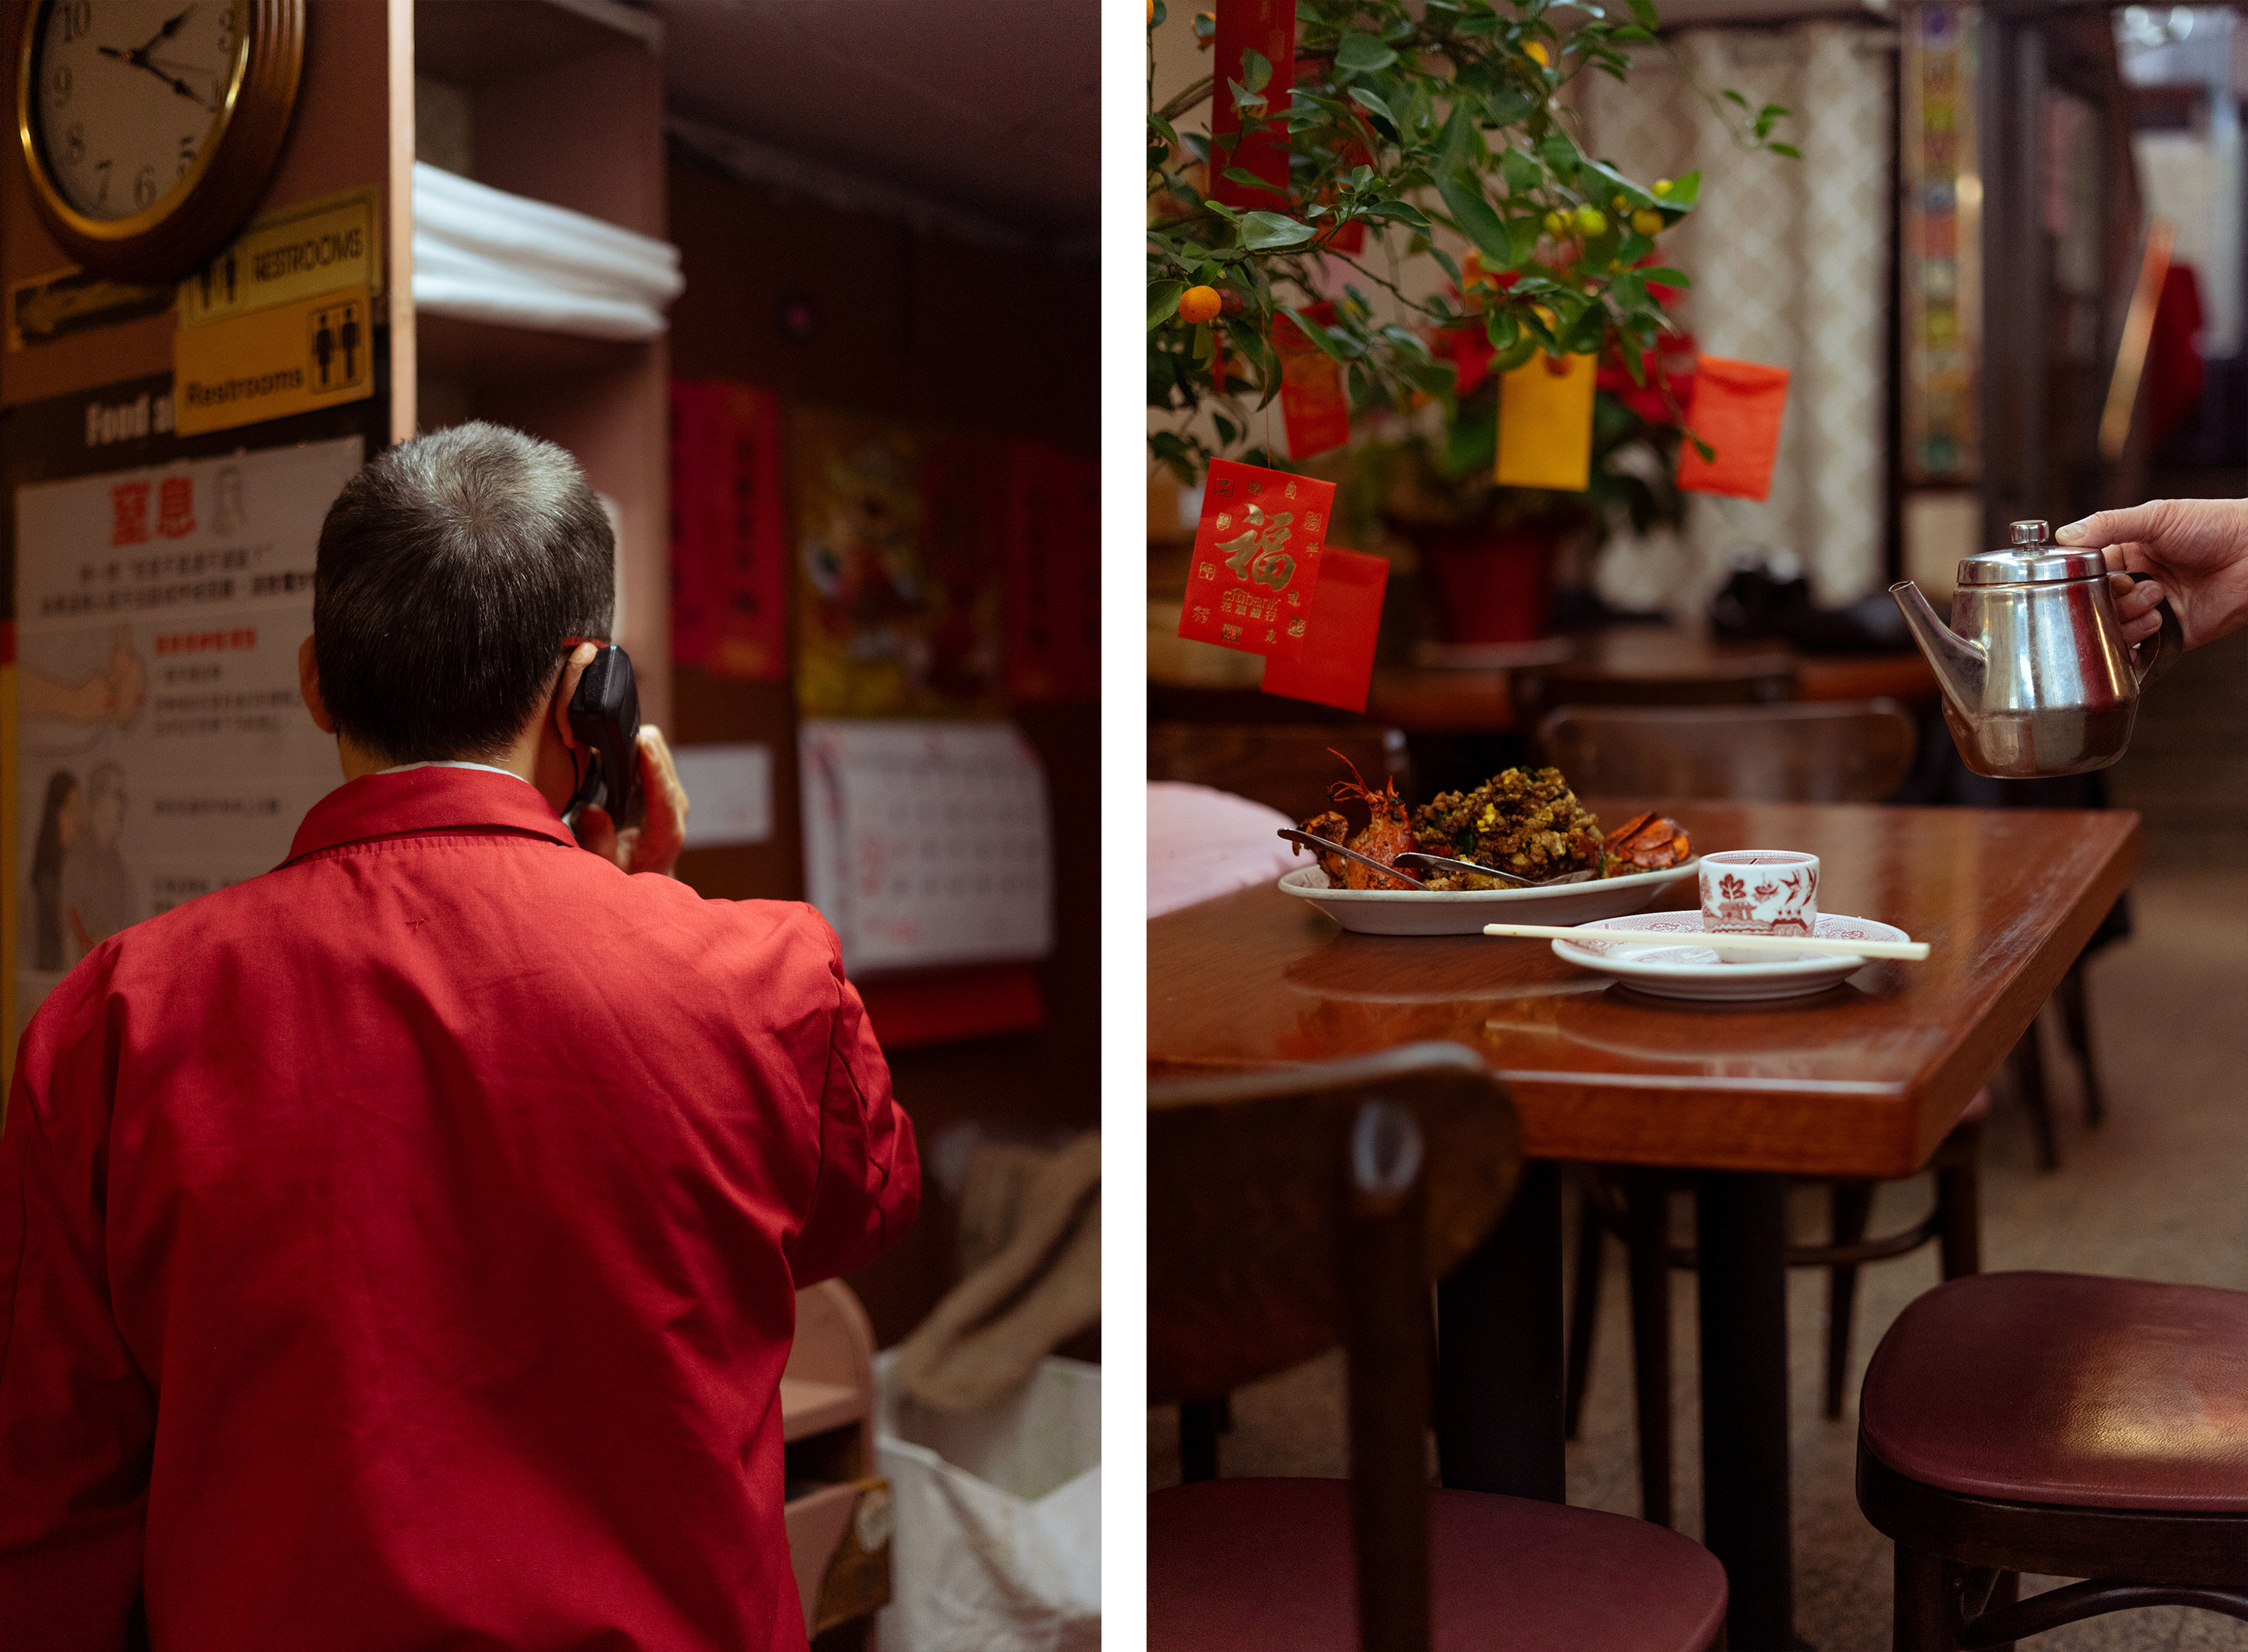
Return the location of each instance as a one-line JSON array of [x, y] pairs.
[[1284, 766], [2064, 1425], [1289, 1211], [1798, 752]]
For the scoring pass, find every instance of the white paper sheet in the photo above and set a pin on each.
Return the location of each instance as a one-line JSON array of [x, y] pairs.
[[729, 793], [926, 843]]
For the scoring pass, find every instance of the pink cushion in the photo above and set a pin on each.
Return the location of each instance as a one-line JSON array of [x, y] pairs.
[[1265, 1566], [2068, 1388], [1202, 843]]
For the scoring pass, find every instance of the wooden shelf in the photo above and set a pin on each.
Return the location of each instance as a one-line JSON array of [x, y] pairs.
[[809, 1407]]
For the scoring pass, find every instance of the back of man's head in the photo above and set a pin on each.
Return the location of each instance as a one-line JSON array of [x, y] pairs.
[[450, 570]]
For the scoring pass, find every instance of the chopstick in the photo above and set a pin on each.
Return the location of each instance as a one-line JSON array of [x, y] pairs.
[[1910, 951]]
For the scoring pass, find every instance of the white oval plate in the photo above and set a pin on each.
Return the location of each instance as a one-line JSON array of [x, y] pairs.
[[1661, 966], [1465, 911]]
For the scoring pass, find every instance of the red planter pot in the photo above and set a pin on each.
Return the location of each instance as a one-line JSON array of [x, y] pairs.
[[1489, 587]]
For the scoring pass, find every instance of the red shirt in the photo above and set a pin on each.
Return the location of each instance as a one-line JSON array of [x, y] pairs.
[[399, 1250]]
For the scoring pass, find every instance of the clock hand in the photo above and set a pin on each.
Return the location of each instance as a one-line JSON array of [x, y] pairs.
[[168, 30], [139, 60]]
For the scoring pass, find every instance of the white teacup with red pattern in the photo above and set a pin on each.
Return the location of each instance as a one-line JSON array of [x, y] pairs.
[[1759, 892]]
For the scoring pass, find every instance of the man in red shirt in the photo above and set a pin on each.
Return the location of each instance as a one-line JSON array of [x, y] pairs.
[[399, 1250]]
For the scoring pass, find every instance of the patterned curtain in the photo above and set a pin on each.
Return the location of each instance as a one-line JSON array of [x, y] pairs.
[[1790, 265]]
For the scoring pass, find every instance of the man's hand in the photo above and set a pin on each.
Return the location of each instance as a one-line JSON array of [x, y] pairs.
[[654, 846], [2197, 550]]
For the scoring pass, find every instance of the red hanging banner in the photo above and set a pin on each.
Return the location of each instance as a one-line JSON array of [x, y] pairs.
[[695, 467], [729, 533], [1337, 665], [1736, 407], [1267, 27], [1054, 575], [1312, 406], [1256, 559]]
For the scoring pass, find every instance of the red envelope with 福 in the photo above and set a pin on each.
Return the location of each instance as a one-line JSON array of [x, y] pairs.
[[1256, 559]]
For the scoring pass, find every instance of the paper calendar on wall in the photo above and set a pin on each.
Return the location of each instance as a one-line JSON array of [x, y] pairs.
[[926, 843]]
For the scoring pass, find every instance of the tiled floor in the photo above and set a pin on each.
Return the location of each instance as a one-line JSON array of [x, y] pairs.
[[2156, 1192]]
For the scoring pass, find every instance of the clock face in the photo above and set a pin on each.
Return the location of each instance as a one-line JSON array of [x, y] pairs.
[[127, 95]]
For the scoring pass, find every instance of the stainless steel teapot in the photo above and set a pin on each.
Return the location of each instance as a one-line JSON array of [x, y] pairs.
[[2037, 679]]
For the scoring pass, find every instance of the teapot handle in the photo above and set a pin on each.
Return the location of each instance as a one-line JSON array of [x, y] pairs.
[[2167, 643]]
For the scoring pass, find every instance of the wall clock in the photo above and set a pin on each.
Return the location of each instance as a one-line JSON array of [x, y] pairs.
[[150, 128]]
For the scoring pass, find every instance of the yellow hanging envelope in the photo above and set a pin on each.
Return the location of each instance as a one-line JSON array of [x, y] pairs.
[[1545, 424]]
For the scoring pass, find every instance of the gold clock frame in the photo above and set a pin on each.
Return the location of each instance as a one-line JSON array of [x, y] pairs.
[[207, 209]]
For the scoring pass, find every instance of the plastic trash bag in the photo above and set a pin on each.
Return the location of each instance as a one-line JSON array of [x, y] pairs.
[[998, 1545]]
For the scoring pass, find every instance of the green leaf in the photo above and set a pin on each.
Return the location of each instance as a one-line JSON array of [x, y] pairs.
[[1329, 342], [1444, 263], [1663, 276], [1644, 10], [1239, 175], [1615, 184], [1257, 70], [1507, 360], [1163, 301], [1684, 193], [1472, 448], [1163, 375], [1734, 97], [1452, 147], [1521, 171], [1561, 154], [1787, 149], [1406, 344], [1205, 345], [1163, 129], [1360, 54], [1402, 211], [1268, 231], [1462, 196], [1366, 99]]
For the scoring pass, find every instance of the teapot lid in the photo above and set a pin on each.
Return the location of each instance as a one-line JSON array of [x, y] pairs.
[[2031, 559]]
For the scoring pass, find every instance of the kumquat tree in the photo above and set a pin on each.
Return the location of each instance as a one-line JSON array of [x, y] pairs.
[[1399, 122]]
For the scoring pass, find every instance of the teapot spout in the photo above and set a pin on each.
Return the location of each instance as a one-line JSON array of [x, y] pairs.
[[1959, 664]]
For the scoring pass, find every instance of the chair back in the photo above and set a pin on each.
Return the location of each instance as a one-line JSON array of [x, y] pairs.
[[1290, 1210], [1804, 751], [1288, 766]]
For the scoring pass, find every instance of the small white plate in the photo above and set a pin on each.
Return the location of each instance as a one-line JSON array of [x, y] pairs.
[[1465, 911], [1662, 966]]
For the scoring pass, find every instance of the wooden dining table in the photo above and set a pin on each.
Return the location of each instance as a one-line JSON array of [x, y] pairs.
[[1862, 1080]]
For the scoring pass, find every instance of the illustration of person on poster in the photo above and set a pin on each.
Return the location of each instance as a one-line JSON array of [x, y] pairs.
[[164, 746]]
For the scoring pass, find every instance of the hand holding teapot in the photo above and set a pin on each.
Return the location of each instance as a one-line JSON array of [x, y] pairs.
[[2196, 550]]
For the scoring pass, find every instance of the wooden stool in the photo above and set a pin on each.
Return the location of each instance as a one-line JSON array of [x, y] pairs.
[[1290, 1210], [2061, 1425]]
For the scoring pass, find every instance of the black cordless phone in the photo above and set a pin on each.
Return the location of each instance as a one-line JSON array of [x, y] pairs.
[[604, 714]]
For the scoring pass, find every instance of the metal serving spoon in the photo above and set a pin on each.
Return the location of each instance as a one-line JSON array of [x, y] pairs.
[[1328, 844], [1441, 863]]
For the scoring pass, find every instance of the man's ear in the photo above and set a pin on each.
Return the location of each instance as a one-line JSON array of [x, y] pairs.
[[566, 688], [308, 682]]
